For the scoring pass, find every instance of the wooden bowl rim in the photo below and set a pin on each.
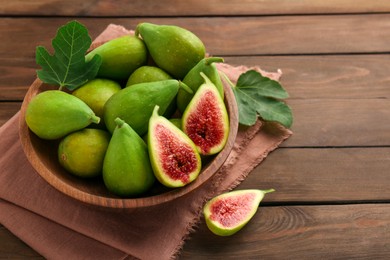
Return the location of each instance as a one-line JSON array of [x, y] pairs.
[[66, 188]]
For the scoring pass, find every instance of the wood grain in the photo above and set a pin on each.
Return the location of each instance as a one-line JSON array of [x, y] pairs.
[[327, 76], [189, 8], [335, 61], [7, 110], [227, 36], [304, 77], [340, 122], [304, 232], [321, 122], [301, 232], [327, 175], [15, 78]]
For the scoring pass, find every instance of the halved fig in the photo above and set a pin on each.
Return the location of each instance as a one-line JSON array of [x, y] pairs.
[[174, 157], [205, 120], [227, 213]]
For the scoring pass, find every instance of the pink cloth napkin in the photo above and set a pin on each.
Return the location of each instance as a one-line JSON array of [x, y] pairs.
[[60, 227]]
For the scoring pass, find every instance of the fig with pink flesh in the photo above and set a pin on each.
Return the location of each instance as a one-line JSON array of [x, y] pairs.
[[205, 120], [174, 157], [227, 213]]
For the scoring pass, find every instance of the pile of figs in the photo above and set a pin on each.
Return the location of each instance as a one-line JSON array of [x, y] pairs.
[[153, 114]]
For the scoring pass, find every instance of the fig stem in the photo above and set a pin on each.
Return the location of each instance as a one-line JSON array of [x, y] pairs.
[[210, 60], [95, 119], [185, 87], [206, 79], [267, 191], [155, 110], [227, 79], [119, 122], [136, 32]]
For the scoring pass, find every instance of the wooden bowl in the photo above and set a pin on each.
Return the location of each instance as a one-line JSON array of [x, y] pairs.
[[42, 154]]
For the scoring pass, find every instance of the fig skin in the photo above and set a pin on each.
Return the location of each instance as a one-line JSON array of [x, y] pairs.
[[228, 207], [53, 114], [82, 152], [95, 94], [193, 79], [208, 128], [163, 159], [126, 168], [120, 57], [147, 74], [135, 104], [152, 74], [174, 49]]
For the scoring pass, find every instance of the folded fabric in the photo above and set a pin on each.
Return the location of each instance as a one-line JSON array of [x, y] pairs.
[[60, 227]]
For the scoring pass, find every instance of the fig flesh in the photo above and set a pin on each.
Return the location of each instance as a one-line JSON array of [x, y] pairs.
[[206, 120], [174, 157], [134, 104], [227, 213], [193, 79]]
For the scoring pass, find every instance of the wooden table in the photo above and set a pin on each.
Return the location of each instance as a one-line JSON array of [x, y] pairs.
[[332, 176]]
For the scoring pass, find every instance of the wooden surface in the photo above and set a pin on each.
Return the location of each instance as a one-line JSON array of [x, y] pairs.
[[331, 176]]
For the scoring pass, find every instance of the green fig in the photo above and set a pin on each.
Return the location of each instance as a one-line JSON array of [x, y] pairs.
[[82, 152], [95, 94], [126, 168], [174, 49], [193, 79], [53, 114], [134, 104], [174, 157], [147, 74], [176, 122], [120, 57], [206, 120], [151, 74], [227, 213]]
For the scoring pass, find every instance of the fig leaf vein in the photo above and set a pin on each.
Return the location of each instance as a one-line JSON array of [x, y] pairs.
[[257, 95], [67, 66]]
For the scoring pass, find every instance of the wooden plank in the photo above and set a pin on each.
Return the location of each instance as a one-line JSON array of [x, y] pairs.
[[301, 232], [304, 77], [304, 232], [329, 76], [340, 122], [323, 175], [7, 110], [17, 75], [320, 122], [228, 36], [12, 247], [190, 8]]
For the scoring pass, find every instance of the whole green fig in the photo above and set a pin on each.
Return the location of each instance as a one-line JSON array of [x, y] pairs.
[[174, 49], [134, 104], [126, 168], [120, 57], [53, 114]]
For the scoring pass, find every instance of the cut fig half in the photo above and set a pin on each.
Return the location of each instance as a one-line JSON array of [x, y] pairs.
[[229, 212], [174, 157], [205, 120]]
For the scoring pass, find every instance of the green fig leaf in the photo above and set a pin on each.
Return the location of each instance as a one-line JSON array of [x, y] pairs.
[[67, 67], [257, 95]]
